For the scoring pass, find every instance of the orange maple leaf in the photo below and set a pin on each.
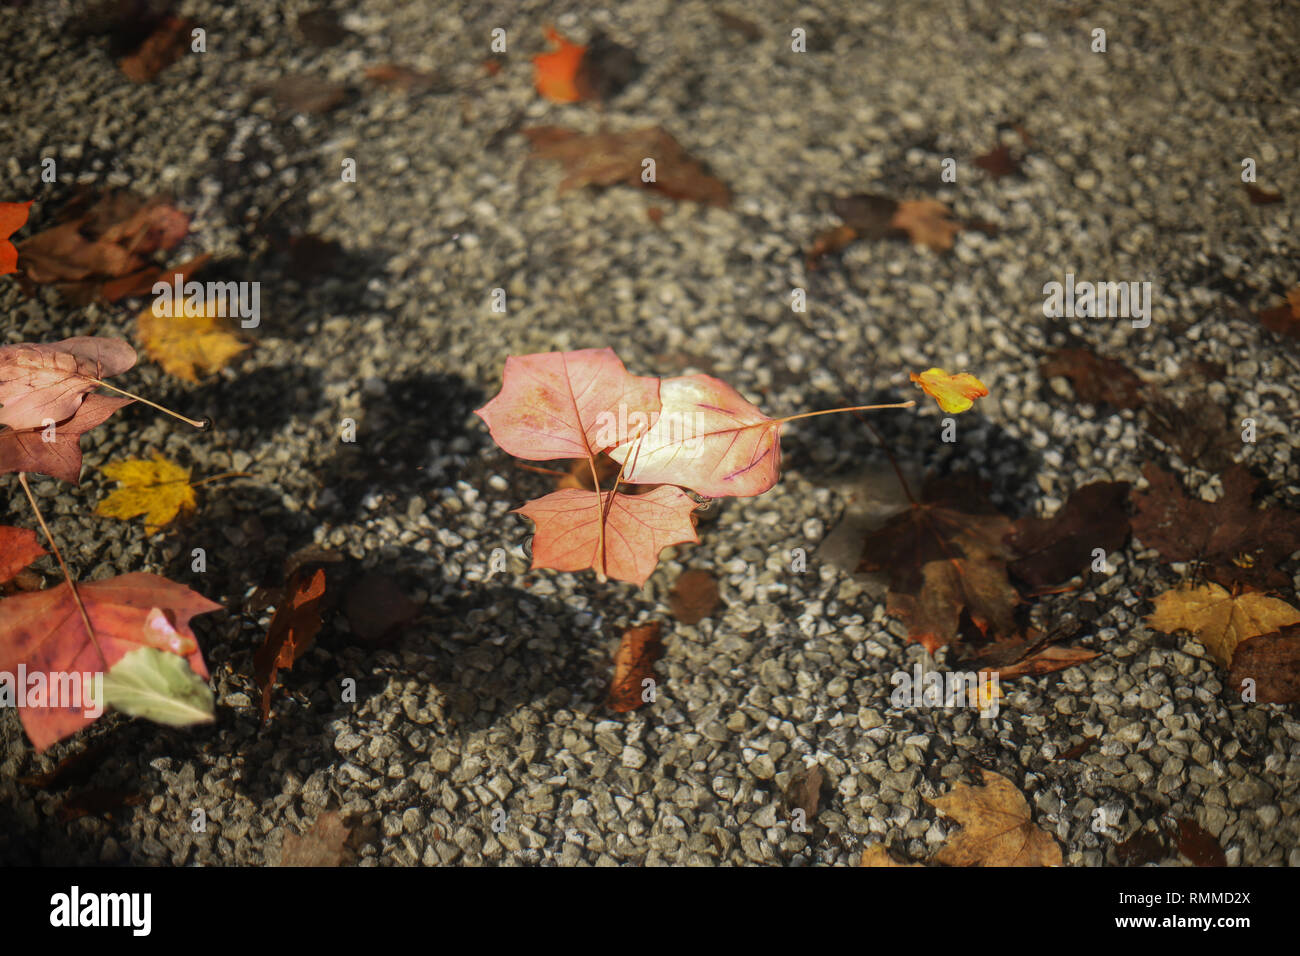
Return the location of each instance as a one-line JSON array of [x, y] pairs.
[[954, 393], [13, 216], [555, 73]]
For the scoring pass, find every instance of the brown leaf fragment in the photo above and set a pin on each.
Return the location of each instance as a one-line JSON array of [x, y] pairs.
[[926, 222], [945, 555], [999, 162], [1096, 380], [1196, 428], [1238, 543], [634, 664], [1052, 550], [606, 69], [73, 770], [404, 78], [1046, 661], [320, 27], [1141, 848], [828, 243], [300, 93], [111, 239], [311, 555], [1272, 661], [869, 215], [997, 827], [607, 159], [1284, 319], [1261, 197], [877, 855], [747, 29], [1205, 369], [325, 844], [167, 44], [377, 608], [1078, 750], [694, 596], [99, 802], [804, 792], [293, 629], [1199, 846]]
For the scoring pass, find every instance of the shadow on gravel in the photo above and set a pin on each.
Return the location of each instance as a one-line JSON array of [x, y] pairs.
[[409, 439], [981, 449], [251, 408]]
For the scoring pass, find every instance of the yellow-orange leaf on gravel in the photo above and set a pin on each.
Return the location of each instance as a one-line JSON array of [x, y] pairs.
[[954, 393], [997, 828], [188, 345], [556, 73], [1220, 620], [158, 489]]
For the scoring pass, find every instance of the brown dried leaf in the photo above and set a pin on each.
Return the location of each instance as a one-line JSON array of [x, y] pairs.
[[877, 855], [164, 46], [1141, 848], [1096, 380], [300, 93], [1196, 428], [926, 222], [1046, 661], [293, 630], [997, 827], [804, 792], [1272, 661], [1284, 319], [633, 663], [1238, 543], [1199, 846], [112, 239], [606, 159], [377, 608], [945, 555], [99, 802], [404, 78], [325, 844], [1261, 197], [694, 596], [999, 162], [1053, 550]]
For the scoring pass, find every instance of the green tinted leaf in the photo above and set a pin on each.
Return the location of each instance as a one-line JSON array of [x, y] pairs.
[[159, 686]]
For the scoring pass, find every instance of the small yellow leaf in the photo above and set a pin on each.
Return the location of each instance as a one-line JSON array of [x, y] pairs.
[[188, 345], [954, 393], [1219, 620], [158, 489]]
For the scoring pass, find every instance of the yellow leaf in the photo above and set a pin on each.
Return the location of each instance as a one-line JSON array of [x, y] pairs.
[[158, 489], [954, 393], [1219, 620], [997, 828], [187, 345]]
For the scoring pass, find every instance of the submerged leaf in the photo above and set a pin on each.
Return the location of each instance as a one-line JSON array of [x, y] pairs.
[[158, 686]]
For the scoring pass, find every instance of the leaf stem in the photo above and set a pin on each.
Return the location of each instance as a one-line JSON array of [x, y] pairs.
[[224, 474], [852, 408], [542, 471], [67, 576], [600, 505], [166, 411], [892, 460]]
